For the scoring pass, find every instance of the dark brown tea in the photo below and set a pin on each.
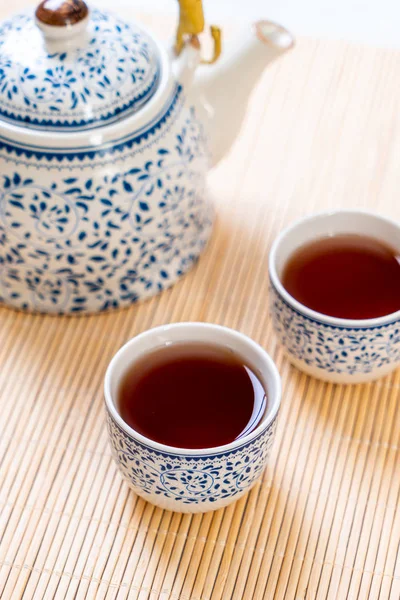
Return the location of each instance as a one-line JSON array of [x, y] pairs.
[[347, 276], [192, 396]]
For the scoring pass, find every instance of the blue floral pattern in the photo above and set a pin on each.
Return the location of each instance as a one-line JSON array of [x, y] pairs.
[[50, 292], [37, 215], [339, 350], [208, 480], [113, 71], [91, 238]]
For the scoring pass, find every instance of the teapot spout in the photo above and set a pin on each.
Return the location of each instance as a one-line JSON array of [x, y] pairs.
[[226, 86]]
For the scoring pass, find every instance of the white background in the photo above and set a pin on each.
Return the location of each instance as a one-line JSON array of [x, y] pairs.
[[375, 22]]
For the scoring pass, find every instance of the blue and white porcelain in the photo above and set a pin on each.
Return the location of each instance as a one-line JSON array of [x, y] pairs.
[[186, 480], [106, 139], [102, 73], [329, 348]]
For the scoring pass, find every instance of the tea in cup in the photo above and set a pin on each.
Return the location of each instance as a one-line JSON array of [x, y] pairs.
[[335, 295], [191, 413]]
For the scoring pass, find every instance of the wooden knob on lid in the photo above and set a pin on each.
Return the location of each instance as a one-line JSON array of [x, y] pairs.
[[61, 13]]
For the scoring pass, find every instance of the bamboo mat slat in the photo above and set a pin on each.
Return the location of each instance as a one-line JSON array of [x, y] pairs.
[[322, 131]]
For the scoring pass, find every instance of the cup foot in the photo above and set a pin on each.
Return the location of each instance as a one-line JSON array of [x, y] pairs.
[[345, 378], [195, 508]]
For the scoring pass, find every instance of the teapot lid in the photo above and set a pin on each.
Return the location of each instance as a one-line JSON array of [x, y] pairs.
[[68, 69]]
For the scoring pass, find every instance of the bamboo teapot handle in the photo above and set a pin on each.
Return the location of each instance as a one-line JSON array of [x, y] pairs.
[[191, 24]]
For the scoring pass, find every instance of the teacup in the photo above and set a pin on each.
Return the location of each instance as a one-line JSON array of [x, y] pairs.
[[180, 479], [329, 348]]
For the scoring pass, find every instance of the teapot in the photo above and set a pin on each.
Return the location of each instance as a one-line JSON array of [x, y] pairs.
[[106, 138]]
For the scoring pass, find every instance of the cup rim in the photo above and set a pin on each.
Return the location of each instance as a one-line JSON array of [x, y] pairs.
[[302, 308], [271, 371]]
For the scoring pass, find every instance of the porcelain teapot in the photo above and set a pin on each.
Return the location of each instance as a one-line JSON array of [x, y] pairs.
[[106, 138]]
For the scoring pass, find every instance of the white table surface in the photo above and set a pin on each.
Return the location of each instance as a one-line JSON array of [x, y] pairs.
[[375, 22]]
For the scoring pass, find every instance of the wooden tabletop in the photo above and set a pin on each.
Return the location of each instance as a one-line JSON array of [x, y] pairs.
[[322, 131]]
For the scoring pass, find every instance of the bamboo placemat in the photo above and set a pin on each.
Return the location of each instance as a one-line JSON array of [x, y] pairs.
[[323, 130]]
